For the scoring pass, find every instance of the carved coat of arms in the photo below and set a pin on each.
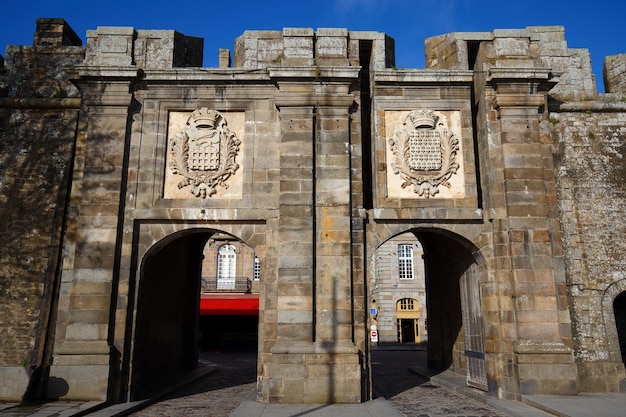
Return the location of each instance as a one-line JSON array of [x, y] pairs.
[[424, 153], [205, 153]]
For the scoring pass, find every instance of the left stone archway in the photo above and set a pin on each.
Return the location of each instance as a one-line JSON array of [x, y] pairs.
[[166, 322], [161, 319]]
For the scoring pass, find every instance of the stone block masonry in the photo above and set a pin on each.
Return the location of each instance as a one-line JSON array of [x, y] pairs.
[[38, 119], [499, 161]]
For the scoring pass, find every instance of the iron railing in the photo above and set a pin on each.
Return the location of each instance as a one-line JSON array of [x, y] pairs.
[[238, 285]]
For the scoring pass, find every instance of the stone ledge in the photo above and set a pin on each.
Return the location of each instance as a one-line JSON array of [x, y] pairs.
[[616, 105], [205, 215], [424, 76], [207, 75], [522, 74], [103, 71], [314, 72], [438, 214]]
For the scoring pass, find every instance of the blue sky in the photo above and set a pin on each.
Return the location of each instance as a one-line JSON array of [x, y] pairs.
[[599, 26]]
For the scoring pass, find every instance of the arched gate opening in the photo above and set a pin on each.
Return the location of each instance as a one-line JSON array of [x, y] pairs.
[[435, 305], [174, 303], [619, 310], [455, 323]]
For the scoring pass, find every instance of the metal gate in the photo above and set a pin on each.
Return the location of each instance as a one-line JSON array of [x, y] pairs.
[[473, 329]]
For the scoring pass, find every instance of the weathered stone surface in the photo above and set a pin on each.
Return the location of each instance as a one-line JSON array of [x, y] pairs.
[[615, 73], [518, 240]]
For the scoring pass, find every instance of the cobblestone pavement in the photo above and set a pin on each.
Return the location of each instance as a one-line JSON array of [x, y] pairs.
[[218, 394], [215, 395], [415, 396]]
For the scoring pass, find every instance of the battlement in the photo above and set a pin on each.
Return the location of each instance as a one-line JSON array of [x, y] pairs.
[[615, 73], [304, 47], [532, 47], [147, 49], [55, 32]]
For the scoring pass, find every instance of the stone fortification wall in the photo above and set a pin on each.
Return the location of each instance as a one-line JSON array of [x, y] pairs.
[[38, 120], [589, 158], [587, 135], [532, 187]]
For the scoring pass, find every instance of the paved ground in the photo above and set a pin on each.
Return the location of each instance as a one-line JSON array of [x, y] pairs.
[[219, 394], [415, 396], [215, 395], [229, 391]]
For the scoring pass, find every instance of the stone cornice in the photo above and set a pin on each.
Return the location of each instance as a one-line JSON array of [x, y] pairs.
[[103, 72], [599, 105], [317, 72], [207, 75], [428, 214], [496, 74], [309, 86], [423, 76], [518, 100]]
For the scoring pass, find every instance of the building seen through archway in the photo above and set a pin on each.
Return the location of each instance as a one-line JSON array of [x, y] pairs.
[[425, 289], [398, 291], [229, 295], [198, 290]]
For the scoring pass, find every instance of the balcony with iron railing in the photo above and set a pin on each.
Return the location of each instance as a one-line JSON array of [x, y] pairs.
[[231, 285]]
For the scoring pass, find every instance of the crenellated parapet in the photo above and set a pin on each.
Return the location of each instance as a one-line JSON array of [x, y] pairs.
[[145, 49], [305, 47], [615, 73]]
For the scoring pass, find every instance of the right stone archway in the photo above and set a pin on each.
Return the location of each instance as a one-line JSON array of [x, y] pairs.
[[427, 283], [487, 319]]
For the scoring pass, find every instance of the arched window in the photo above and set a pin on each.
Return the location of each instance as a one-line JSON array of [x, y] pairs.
[[405, 261], [226, 267], [405, 304]]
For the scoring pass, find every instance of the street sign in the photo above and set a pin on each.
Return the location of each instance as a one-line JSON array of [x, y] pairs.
[[374, 336]]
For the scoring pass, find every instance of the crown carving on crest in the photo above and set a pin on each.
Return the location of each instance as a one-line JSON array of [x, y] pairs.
[[204, 118], [423, 118]]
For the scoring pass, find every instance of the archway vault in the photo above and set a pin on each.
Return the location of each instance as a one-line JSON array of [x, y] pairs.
[[162, 313], [453, 271]]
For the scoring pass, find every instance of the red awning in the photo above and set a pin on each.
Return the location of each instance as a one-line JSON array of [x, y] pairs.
[[229, 304]]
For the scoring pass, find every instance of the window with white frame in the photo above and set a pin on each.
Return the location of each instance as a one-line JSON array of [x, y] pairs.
[[405, 261], [256, 273], [226, 266]]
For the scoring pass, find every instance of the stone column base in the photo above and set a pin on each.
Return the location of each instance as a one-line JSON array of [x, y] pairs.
[[15, 380], [80, 371], [546, 368], [313, 373]]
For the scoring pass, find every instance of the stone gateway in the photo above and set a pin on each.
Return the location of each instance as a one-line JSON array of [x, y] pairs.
[[475, 206]]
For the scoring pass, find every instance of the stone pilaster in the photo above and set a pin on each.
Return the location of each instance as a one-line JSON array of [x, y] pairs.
[[81, 363], [294, 290], [333, 321], [531, 255], [315, 359]]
